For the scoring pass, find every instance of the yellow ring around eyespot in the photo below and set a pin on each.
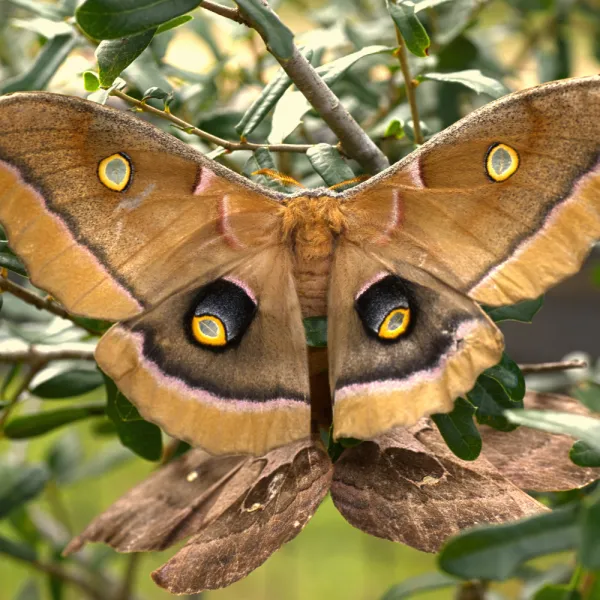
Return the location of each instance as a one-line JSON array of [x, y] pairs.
[[514, 165], [391, 334], [109, 183], [220, 336]]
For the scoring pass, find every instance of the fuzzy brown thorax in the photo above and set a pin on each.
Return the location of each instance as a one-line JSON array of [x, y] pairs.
[[309, 227]]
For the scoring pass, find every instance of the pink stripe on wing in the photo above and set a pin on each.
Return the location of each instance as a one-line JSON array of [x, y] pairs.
[[371, 282], [549, 222], [391, 385], [243, 285], [60, 225]]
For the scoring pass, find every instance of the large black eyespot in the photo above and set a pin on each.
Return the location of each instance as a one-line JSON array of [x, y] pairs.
[[384, 308], [222, 312]]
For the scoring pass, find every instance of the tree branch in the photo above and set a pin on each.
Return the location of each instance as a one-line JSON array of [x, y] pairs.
[[40, 303], [230, 13], [188, 128], [552, 366], [354, 141], [42, 354], [409, 86]]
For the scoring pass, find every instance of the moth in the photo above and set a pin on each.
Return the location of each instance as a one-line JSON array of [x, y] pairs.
[[209, 275], [405, 486]]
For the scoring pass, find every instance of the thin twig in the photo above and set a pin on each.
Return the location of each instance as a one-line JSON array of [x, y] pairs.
[[552, 366], [409, 86], [224, 11], [37, 357], [41, 354], [40, 303], [227, 144]]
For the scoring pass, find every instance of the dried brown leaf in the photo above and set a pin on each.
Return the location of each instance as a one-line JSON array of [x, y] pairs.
[[291, 486], [406, 486], [535, 460]]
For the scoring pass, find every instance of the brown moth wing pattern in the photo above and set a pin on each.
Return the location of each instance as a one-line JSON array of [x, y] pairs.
[[378, 385], [275, 509], [500, 242], [406, 486], [248, 399], [111, 254], [173, 503], [238, 509], [516, 452]]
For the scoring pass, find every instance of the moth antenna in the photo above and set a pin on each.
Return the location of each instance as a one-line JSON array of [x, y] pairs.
[[349, 182], [278, 176]]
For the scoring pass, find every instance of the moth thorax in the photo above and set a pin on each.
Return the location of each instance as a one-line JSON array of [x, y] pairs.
[[310, 226]]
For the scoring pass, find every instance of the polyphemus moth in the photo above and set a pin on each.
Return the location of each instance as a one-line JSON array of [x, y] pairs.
[[209, 275], [405, 486]]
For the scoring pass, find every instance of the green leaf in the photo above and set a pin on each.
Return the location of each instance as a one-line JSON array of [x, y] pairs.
[[523, 311], [139, 436], [589, 550], [27, 426], [473, 79], [584, 455], [113, 19], [63, 457], [279, 39], [23, 524], [12, 263], [315, 329], [509, 376], [459, 431], [10, 377], [577, 426], [43, 9], [90, 81], [47, 62], [17, 550], [263, 159], [421, 583], [127, 411], [408, 24], [588, 393], [495, 552], [557, 592], [173, 23], [395, 129], [327, 161], [268, 98], [332, 71], [96, 325], [114, 56], [100, 464], [491, 399], [20, 484], [68, 384]]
